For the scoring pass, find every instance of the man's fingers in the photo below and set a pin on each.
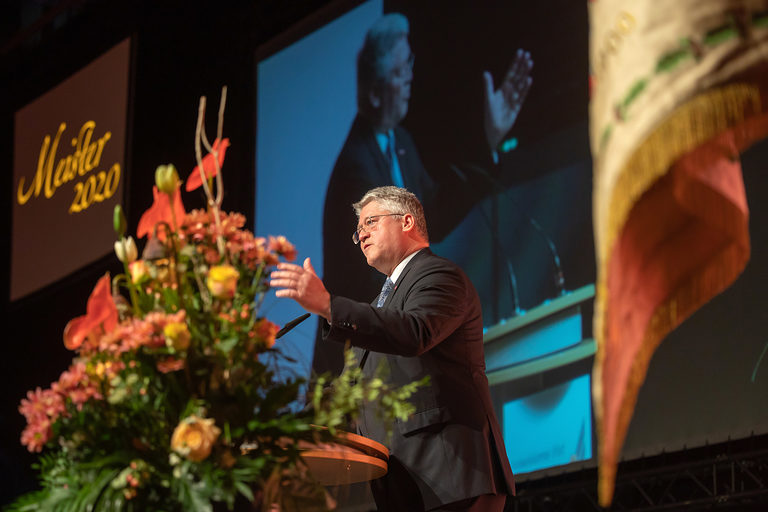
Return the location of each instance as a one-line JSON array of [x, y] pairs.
[[288, 266], [308, 266], [283, 275], [523, 91], [519, 69], [293, 271], [488, 79], [516, 65], [282, 283], [516, 95]]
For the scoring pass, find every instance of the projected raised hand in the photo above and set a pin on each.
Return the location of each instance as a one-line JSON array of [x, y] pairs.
[[503, 105]]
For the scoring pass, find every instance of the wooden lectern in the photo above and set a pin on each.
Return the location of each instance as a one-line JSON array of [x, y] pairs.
[[350, 459]]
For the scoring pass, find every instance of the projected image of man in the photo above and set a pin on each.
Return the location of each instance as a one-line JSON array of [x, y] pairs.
[[379, 151]]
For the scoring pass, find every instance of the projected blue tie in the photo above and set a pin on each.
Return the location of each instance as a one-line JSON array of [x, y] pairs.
[[394, 165], [385, 291]]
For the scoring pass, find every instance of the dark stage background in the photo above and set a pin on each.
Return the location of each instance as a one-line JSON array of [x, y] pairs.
[[701, 388]]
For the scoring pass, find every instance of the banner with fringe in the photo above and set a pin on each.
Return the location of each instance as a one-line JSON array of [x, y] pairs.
[[678, 90]]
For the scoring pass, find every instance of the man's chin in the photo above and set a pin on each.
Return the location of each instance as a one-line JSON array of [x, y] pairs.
[[372, 262]]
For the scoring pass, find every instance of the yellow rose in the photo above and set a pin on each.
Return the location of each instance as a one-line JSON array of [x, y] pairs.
[[177, 335], [222, 281], [194, 437]]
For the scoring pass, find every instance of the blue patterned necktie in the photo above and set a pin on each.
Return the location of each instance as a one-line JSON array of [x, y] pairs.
[[385, 291]]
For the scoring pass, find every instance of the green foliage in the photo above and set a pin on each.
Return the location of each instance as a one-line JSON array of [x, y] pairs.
[[337, 402]]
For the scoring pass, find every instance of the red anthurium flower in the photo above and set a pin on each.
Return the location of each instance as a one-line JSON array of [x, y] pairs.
[[100, 311], [160, 211], [209, 165]]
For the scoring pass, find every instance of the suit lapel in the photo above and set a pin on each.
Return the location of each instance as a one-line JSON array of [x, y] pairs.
[[402, 279]]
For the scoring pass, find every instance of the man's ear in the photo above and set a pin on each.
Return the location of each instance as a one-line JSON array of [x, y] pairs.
[[409, 222]]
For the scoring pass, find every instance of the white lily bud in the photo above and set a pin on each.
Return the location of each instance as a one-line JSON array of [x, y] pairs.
[[126, 250]]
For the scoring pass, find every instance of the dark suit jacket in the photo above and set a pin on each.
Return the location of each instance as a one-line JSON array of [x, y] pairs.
[[451, 449], [360, 167]]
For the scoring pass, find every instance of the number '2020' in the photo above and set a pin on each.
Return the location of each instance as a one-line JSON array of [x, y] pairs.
[[95, 189]]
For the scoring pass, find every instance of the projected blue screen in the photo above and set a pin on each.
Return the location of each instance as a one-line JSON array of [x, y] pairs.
[[549, 428], [305, 104]]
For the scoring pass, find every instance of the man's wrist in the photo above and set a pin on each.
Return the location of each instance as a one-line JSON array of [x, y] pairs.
[[326, 312]]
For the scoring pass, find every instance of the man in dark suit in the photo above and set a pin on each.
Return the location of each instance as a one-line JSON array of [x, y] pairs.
[[426, 321], [378, 151]]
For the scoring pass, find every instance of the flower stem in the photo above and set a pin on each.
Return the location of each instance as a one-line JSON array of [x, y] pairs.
[[132, 291]]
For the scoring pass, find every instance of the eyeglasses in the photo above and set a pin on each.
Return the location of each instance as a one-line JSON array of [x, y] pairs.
[[404, 69], [369, 224]]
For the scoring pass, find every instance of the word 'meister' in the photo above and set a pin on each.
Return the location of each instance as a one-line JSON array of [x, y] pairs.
[[86, 156]]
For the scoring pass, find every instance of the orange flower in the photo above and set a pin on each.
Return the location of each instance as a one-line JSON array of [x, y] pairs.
[[194, 437], [209, 165], [36, 434], [266, 331], [100, 312], [161, 211], [283, 247], [170, 364]]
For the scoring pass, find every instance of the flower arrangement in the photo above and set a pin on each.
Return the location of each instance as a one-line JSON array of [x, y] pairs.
[[175, 399]]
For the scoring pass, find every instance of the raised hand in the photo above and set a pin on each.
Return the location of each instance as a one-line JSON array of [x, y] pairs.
[[302, 285], [502, 105]]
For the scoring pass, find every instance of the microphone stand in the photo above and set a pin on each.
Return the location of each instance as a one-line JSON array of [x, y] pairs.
[[498, 251], [494, 227], [499, 188]]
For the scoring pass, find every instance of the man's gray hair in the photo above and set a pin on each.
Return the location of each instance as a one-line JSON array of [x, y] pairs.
[[373, 58], [396, 200]]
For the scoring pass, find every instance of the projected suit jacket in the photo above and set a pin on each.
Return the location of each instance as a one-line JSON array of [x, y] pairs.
[[360, 167], [451, 449]]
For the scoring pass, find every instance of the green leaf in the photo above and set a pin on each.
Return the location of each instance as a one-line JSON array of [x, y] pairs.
[[279, 397], [227, 344], [244, 490]]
